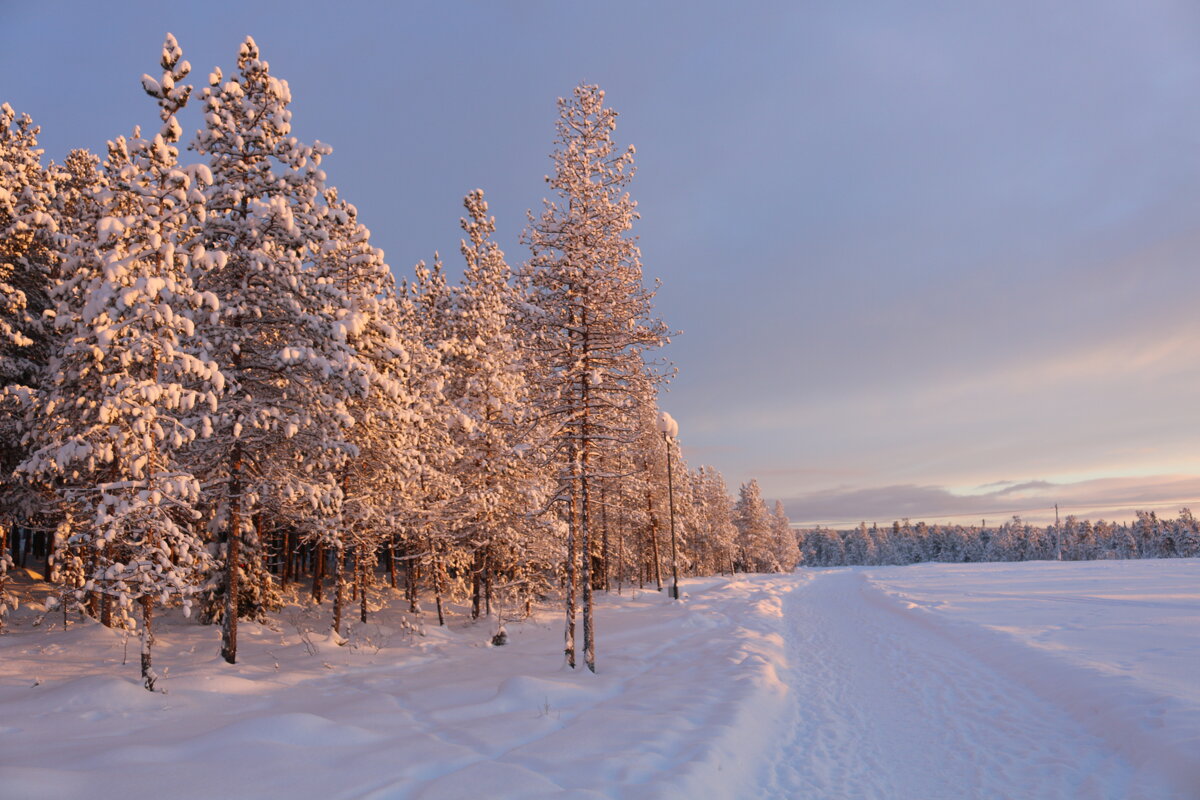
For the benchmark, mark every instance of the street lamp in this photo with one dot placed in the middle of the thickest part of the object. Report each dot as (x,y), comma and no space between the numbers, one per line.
(669,428)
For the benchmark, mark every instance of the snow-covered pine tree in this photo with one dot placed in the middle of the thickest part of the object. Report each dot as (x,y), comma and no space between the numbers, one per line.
(29,262)
(716,534)
(859,546)
(280,436)
(1122,542)
(1185,533)
(124,385)
(82,192)
(380,477)
(501,489)
(29,252)
(783,540)
(593,312)
(755,534)
(823,547)
(429,546)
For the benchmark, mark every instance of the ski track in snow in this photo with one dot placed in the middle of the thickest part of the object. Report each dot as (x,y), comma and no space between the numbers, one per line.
(886,707)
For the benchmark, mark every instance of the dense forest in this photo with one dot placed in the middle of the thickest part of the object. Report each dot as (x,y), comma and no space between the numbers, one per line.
(213,391)
(1071,540)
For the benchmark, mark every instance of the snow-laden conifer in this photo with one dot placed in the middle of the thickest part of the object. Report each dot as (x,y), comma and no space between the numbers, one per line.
(29,258)
(125,391)
(500,485)
(430,546)
(592,313)
(783,539)
(716,535)
(29,253)
(278,439)
(755,531)
(380,477)
(860,546)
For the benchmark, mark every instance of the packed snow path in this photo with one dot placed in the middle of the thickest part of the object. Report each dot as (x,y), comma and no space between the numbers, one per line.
(885,706)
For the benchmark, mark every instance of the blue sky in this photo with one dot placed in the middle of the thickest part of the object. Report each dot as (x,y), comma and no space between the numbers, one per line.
(933,260)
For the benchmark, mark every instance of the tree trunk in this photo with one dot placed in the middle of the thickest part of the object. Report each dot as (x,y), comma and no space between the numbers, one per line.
(148,676)
(92,603)
(620,557)
(439,574)
(487,585)
(232,553)
(3,565)
(264,547)
(476,582)
(362,586)
(390,549)
(301,557)
(569,648)
(339,587)
(605,553)
(413,577)
(642,567)
(655,566)
(585,579)
(51,548)
(318,581)
(285,572)
(585,543)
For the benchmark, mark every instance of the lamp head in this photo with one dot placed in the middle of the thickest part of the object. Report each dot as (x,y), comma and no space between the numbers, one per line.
(667,425)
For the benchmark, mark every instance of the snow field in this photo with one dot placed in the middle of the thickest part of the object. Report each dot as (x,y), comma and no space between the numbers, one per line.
(677,709)
(1114,644)
(902,688)
(1032,680)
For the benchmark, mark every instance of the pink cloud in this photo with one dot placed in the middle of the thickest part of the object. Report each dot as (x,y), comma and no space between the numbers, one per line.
(1114,498)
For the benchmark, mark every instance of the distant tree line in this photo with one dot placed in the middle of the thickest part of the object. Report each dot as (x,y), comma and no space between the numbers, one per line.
(213,389)
(1073,540)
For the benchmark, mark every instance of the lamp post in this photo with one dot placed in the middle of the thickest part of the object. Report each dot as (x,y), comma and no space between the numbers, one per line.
(669,429)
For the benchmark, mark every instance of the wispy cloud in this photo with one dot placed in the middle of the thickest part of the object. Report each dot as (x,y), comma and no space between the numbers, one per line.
(1109,498)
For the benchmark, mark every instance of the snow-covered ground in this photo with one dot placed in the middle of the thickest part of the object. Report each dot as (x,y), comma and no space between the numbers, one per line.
(1035,680)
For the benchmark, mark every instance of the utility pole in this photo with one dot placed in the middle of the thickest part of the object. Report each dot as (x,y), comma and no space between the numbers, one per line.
(1057,536)
(670,431)
(671,501)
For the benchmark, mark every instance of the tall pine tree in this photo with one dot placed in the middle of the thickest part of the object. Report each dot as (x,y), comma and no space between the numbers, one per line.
(125,385)
(279,439)
(593,319)
(500,487)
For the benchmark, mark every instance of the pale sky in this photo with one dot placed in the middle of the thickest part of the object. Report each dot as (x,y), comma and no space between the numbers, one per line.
(935,260)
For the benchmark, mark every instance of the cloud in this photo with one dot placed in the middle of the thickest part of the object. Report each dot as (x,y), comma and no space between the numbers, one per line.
(808,472)
(1114,498)
(1009,488)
